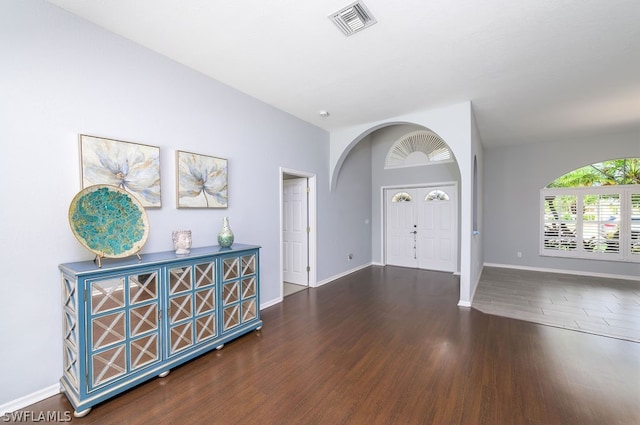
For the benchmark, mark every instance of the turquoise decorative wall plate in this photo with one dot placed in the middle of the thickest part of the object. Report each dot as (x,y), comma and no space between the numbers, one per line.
(108,221)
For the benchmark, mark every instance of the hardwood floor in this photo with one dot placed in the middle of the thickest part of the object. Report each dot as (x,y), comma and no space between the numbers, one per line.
(388,345)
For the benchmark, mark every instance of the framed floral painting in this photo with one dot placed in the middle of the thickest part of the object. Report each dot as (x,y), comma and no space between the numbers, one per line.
(130,166)
(201,181)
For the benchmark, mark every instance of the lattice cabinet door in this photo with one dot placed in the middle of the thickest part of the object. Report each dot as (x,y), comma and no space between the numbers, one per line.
(70,332)
(191,306)
(239,292)
(123,325)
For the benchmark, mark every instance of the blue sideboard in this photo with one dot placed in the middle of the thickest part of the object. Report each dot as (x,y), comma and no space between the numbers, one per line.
(132,320)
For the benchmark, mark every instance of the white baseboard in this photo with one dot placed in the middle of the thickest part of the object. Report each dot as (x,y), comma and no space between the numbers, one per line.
(270,303)
(561,271)
(29,399)
(338,276)
(464,303)
(278,300)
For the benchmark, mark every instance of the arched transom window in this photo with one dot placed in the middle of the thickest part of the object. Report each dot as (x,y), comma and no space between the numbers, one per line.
(436,195)
(401,197)
(417,148)
(593,212)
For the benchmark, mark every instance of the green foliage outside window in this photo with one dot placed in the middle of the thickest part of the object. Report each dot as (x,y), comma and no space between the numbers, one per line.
(586,214)
(606,173)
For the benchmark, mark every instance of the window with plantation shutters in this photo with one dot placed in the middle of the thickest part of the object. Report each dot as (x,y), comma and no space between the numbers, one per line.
(599,223)
(593,212)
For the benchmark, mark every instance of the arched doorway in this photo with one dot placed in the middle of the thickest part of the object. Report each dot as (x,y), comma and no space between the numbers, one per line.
(456,125)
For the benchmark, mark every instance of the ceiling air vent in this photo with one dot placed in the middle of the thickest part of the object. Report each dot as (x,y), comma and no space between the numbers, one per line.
(353,18)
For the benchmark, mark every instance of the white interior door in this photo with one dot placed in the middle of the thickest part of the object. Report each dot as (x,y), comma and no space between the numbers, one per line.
(294,231)
(401,222)
(421,227)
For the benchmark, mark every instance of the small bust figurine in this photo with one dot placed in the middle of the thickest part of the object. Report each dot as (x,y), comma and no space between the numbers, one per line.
(182,241)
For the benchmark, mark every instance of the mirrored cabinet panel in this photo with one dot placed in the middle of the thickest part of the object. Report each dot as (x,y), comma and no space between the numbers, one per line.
(192,305)
(239,291)
(123,325)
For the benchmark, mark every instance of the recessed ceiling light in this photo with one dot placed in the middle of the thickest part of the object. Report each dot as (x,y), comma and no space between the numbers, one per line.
(353,18)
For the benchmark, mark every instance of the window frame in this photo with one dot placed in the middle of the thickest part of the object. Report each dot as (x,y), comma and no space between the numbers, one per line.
(581,249)
(438,195)
(401,197)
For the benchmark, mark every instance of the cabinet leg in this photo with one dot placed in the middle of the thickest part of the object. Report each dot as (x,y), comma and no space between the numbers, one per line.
(259,328)
(82,413)
(165,373)
(219,347)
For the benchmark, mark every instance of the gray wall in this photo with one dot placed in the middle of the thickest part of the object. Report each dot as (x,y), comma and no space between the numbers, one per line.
(62,76)
(381,141)
(477,240)
(513,177)
(347,225)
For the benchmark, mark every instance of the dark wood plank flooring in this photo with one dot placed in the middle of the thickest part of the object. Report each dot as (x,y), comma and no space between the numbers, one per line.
(388,345)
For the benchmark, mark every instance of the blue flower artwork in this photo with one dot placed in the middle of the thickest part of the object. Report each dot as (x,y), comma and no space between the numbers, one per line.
(130,166)
(202,181)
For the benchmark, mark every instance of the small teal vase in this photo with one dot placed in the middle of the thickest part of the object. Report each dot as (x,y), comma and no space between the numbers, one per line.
(225,237)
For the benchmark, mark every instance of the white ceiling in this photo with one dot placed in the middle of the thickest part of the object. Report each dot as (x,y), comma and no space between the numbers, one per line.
(534,70)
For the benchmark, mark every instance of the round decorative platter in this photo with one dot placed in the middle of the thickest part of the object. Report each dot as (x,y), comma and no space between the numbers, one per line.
(108,221)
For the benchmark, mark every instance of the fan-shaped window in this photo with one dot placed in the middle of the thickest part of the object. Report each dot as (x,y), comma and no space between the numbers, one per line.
(436,195)
(401,197)
(606,173)
(421,147)
(593,212)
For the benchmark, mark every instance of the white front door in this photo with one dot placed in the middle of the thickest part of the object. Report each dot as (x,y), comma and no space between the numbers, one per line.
(421,227)
(402,215)
(437,229)
(294,231)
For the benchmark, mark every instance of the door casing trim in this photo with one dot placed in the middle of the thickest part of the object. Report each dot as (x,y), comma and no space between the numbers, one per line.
(312,223)
(383,214)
